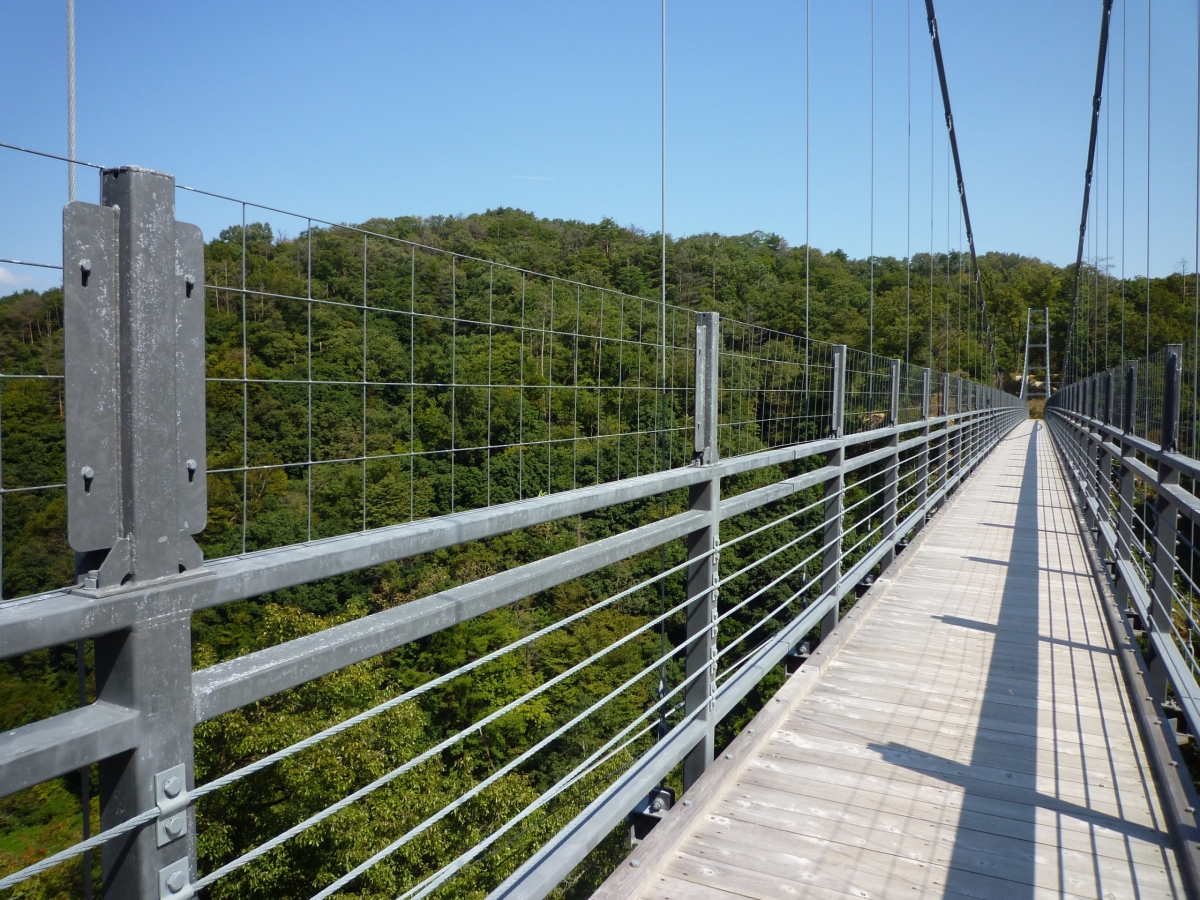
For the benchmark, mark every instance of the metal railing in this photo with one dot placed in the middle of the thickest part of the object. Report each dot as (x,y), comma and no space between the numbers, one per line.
(1121,434)
(775,474)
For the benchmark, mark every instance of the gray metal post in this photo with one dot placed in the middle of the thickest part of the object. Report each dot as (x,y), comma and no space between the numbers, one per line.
(923,455)
(1025,371)
(703,544)
(136,492)
(958,421)
(1046,340)
(1126,482)
(1166,521)
(973,427)
(1084,438)
(944,448)
(1099,454)
(834,487)
(1105,456)
(892,475)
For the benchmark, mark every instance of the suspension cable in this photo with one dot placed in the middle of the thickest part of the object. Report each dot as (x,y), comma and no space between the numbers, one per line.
(1097,96)
(962,191)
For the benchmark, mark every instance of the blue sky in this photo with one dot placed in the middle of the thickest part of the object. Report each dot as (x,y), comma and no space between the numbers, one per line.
(358,109)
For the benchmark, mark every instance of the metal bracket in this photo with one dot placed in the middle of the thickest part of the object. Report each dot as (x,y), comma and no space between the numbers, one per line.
(133,326)
(91,310)
(171,796)
(649,812)
(175,881)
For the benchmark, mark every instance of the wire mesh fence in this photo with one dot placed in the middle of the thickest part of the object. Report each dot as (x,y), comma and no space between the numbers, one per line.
(911,395)
(868,391)
(358,379)
(775,388)
(448,383)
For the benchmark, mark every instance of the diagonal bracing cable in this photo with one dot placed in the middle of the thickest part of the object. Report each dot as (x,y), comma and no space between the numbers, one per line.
(1097,96)
(962,191)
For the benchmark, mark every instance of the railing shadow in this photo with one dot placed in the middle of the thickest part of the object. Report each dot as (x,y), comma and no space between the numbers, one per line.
(1005,701)
(1016,604)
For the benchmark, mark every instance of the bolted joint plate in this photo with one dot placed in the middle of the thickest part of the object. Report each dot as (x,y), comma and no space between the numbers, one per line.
(134,379)
(190,448)
(175,881)
(92,371)
(171,797)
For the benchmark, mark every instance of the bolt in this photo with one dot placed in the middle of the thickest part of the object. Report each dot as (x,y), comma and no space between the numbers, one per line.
(1189,809)
(174,826)
(729,756)
(687,802)
(92,580)
(85,265)
(634,863)
(189,280)
(657,806)
(750,731)
(87,473)
(172,786)
(176,882)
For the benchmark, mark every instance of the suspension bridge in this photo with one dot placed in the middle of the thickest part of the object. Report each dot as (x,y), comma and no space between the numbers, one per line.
(789,618)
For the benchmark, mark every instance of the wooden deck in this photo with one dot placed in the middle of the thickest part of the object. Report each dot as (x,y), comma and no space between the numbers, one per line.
(971,737)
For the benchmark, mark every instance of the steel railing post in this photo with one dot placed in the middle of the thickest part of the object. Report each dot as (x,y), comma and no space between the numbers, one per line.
(967,433)
(136,493)
(944,447)
(703,546)
(1097,452)
(892,475)
(1166,521)
(1126,483)
(973,402)
(831,558)
(1104,454)
(1089,433)
(958,433)
(922,486)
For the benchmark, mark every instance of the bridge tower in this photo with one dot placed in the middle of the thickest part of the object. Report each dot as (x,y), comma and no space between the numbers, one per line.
(1032,325)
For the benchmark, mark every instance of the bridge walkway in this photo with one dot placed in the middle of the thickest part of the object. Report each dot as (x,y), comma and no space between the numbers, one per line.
(970,736)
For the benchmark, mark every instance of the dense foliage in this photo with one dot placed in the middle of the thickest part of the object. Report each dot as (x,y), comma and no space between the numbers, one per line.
(433,450)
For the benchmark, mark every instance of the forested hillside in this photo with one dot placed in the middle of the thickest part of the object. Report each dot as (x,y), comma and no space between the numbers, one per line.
(755,278)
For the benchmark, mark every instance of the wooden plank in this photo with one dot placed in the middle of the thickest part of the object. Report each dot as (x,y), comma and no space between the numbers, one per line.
(714,871)
(924,702)
(910,784)
(945,808)
(1048,752)
(983,765)
(1012,859)
(902,764)
(1011,689)
(886,874)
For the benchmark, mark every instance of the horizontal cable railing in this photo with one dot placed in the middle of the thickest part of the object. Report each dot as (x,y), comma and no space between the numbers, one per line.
(1128,437)
(690,497)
